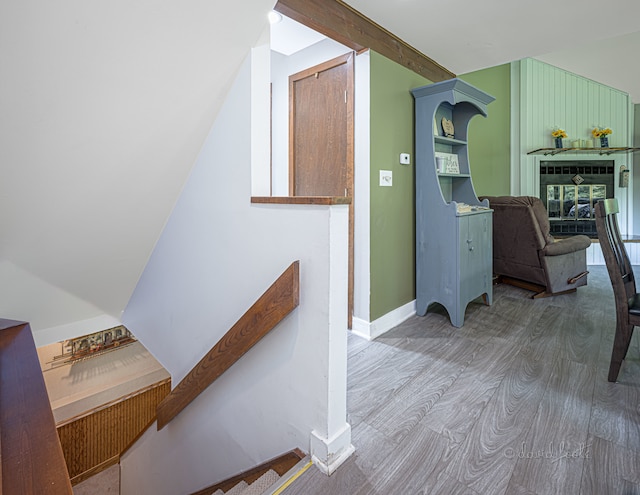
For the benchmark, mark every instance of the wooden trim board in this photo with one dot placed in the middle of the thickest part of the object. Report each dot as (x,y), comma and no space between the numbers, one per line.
(276,303)
(30,451)
(346,25)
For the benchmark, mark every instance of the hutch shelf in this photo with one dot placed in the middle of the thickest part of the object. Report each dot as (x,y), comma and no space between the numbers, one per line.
(453,227)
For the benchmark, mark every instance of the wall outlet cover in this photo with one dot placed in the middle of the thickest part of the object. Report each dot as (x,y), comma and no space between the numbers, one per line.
(405,159)
(386,178)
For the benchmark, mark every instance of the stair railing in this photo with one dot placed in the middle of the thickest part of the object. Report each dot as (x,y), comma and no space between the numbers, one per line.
(31,458)
(269,310)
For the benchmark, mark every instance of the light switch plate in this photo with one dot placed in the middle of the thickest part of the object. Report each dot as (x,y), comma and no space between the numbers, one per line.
(405,159)
(386,178)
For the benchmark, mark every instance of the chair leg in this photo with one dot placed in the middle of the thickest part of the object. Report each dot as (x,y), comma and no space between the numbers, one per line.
(624,332)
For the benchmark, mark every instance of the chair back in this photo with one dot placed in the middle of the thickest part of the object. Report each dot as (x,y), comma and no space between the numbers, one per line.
(614,252)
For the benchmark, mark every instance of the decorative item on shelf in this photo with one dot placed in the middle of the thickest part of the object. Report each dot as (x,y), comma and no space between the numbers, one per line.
(558,134)
(447,127)
(447,163)
(602,133)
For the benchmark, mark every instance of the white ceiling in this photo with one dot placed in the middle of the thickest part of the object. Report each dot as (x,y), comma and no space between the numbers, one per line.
(289,36)
(595,39)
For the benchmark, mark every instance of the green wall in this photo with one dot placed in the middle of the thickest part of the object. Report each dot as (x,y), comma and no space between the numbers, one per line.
(392,208)
(489,138)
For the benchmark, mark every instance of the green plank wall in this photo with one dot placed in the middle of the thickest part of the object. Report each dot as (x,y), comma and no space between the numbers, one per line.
(550,97)
(489,138)
(392,208)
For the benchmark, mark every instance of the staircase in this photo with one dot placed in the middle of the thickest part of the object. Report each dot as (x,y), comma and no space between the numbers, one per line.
(258,487)
(269,478)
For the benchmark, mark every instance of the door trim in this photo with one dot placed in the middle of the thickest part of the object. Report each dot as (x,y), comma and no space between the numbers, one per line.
(348,59)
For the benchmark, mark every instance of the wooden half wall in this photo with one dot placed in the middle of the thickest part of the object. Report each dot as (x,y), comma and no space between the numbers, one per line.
(95,440)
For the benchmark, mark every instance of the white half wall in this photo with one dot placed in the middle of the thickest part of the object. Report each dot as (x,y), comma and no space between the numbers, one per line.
(216,256)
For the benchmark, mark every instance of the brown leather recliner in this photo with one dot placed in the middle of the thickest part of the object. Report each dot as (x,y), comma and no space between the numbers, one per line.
(526,254)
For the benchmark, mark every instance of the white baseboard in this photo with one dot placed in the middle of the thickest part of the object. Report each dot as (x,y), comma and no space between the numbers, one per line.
(372,330)
(329,453)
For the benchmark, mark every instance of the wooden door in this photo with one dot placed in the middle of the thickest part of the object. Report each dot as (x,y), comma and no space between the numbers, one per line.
(321,137)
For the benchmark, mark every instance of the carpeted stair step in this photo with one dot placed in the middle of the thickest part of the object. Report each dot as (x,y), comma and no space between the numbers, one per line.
(259,486)
(238,489)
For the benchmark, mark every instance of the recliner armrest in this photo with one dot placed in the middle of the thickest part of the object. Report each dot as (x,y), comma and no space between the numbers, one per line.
(568,245)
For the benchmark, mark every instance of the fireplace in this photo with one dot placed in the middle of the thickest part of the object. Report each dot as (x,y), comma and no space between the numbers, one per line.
(570,191)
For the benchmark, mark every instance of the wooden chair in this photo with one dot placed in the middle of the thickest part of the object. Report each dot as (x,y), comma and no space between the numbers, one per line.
(622,279)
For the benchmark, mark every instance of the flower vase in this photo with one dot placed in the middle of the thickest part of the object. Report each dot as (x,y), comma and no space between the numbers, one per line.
(604,142)
(558,142)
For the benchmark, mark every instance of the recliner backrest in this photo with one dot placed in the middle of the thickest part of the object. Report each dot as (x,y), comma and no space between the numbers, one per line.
(520,226)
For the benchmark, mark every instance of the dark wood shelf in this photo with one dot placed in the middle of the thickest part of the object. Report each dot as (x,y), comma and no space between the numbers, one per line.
(302,200)
(582,151)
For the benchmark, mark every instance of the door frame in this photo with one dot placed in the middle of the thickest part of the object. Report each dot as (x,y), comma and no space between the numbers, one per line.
(348,59)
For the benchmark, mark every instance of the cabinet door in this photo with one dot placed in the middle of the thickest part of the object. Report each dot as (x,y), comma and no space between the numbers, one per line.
(475,256)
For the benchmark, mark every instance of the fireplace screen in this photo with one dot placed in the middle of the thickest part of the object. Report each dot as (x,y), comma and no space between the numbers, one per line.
(570,202)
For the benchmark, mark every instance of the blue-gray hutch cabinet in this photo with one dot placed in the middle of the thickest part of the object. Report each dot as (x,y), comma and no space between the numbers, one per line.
(453,227)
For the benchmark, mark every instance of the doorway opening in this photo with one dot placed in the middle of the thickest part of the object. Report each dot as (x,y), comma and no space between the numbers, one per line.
(312,120)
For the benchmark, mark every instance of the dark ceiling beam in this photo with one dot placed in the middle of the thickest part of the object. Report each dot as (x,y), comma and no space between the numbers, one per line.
(340,22)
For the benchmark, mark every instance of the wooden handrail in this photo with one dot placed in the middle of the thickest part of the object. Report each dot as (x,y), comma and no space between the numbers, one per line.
(276,303)
(30,452)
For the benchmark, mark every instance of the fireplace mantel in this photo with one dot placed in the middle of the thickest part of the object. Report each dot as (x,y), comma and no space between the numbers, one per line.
(582,151)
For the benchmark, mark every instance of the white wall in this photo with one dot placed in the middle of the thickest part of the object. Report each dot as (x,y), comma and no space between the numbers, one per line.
(281,68)
(635,169)
(551,97)
(216,256)
(362,194)
(105,106)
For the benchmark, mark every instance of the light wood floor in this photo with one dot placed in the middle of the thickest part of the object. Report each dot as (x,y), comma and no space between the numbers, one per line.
(515,402)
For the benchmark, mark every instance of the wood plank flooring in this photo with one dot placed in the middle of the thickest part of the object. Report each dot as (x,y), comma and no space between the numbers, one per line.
(515,402)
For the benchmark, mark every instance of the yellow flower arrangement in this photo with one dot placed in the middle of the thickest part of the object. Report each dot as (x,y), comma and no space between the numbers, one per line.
(559,133)
(599,132)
